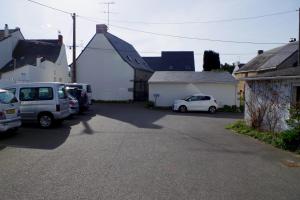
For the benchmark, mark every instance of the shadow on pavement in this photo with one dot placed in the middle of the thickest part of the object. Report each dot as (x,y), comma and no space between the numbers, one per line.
(139,116)
(31,136)
(134,114)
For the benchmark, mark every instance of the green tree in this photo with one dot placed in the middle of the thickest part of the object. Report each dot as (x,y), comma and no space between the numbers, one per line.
(227,67)
(211,61)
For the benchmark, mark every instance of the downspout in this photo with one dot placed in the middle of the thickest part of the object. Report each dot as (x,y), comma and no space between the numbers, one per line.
(134,78)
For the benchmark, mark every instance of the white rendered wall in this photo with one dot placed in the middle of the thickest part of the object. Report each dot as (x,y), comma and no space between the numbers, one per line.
(225,94)
(102,67)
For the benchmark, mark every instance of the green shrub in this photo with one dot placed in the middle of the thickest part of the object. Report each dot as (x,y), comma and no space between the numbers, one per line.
(227,108)
(242,108)
(288,140)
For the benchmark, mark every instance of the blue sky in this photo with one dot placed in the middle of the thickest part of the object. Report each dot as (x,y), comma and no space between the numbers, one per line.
(37,22)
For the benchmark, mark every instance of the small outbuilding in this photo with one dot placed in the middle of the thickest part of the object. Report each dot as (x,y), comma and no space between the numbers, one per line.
(167,86)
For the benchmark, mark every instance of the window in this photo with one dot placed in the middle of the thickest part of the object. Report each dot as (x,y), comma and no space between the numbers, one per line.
(89,89)
(34,94)
(45,93)
(12,90)
(28,94)
(206,98)
(296,95)
(7,97)
(137,61)
(194,98)
(62,92)
(129,58)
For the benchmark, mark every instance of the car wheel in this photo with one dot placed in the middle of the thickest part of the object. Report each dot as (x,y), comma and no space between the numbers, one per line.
(45,120)
(212,109)
(182,109)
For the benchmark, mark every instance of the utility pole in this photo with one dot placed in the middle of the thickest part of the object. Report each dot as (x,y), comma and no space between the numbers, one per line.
(108,10)
(73,69)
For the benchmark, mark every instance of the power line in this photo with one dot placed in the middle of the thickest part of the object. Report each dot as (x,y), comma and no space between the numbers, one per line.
(44,5)
(171,35)
(209,21)
(196,38)
(111,50)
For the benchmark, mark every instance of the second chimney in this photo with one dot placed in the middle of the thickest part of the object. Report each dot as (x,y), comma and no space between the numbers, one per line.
(260,52)
(6,31)
(101,28)
(60,39)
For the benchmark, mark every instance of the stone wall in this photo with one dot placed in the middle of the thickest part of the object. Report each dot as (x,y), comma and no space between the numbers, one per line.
(273,96)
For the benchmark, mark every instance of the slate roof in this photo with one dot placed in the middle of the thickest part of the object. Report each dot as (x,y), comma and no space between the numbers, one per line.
(27,51)
(10,31)
(172,61)
(191,77)
(127,52)
(285,73)
(271,58)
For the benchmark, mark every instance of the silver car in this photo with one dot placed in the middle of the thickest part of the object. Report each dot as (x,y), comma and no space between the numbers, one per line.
(73,105)
(9,112)
(44,102)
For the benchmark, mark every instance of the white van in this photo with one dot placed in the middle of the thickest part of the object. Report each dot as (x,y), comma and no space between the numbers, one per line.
(84,86)
(44,102)
(9,111)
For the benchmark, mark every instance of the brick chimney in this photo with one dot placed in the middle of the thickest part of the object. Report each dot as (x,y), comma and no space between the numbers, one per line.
(60,39)
(101,28)
(6,31)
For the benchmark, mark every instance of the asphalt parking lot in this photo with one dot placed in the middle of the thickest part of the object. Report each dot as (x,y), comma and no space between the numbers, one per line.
(125,151)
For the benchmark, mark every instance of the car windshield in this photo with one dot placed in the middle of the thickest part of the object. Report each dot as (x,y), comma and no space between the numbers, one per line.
(186,98)
(7,97)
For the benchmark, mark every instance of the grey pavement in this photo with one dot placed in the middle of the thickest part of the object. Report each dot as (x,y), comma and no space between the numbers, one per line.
(125,151)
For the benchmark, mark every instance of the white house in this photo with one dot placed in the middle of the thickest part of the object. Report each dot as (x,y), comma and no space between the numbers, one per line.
(113,68)
(167,86)
(33,60)
(273,87)
(8,41)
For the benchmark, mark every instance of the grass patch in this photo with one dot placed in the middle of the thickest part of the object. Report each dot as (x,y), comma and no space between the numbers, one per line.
(287,140)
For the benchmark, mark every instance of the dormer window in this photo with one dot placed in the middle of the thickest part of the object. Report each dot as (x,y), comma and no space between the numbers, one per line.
(129,58)
(137,61)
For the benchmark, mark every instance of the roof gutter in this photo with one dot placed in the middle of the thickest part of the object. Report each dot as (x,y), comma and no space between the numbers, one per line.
(207,82)
(269,78)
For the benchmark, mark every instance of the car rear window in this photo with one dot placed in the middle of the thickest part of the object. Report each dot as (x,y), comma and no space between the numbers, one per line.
(36,94)
(206,98)
(6,97)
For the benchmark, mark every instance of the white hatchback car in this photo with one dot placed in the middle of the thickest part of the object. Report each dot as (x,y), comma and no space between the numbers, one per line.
(9,111)
(196,102)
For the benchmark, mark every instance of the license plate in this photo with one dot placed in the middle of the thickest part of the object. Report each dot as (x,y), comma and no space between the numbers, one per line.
(11,111)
